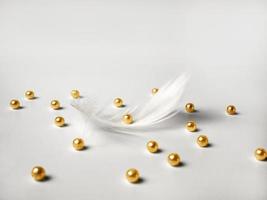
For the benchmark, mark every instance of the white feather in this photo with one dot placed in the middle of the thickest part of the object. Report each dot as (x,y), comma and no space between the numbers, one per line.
(159,107)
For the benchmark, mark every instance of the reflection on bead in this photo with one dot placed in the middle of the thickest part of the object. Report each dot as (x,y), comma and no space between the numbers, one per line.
(127,119)
(29,94)
(231,110)
(132,175)
(38,173)
(55,104)
(202,141)
(59,121)
(191,126)
(152,146)
(260,154)
(174,159)
(75,94)
(118,102)
(15,104)
(154,90)
(78,144)
(189,107)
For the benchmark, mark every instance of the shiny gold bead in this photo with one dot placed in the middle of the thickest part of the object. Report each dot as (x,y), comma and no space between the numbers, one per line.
(202,141)
(191,126)
(15,104)
(29,94)
(78,144)
(154,90)
(260,154)
(152,146)
(75,94)
(231,110)
(132,175)
(174,159)
(118,102)
(59,121)
(38,173)
(127,119)
(189,107)
(55,104)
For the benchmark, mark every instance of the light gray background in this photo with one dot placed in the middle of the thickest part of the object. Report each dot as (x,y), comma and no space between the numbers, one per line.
(124,48)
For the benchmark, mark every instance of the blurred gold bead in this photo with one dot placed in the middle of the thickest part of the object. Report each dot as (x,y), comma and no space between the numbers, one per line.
(152,146)
(78,144)
(59,121)
(231,110)
(75,94)
(260,154)
(189,107)
(29,94)
(127,119)
(118,102)
(191,126)
(15,104)
(154,90)
(55,104)
(38,173)
(174,159)
(202,141)
(132,175)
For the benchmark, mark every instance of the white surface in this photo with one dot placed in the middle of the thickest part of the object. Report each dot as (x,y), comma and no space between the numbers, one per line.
(108,49)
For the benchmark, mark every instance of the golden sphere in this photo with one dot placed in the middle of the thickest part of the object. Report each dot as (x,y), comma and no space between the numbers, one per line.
(55,104)
(29,94)
(59,121)
(191,126)
(174,159)
(202,141)
(231,110)
(127,119)
(189,107)
(260,154)
(75,94)
(154,90)
(118,102)
(132,175)
(15,104)
(78,144)
(152,146)
(38,173)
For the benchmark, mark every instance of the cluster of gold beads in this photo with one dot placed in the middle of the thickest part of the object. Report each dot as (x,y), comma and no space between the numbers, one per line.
(118,102)
(260,154)
(132,175)
(29,94)
(38,173)
(59,121)
(78,144)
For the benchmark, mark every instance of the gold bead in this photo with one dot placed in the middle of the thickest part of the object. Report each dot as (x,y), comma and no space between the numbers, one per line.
(118,102)
(152,146)
(231,110)
(15,104)
(55,104)
(78,144)
(75,94)
(29,94)
(189,107)
(59,121)
(202,141)
(154,90)
(127,119)
(174,159)
(260,154)
(191,126)
(38,173)
(132,175)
